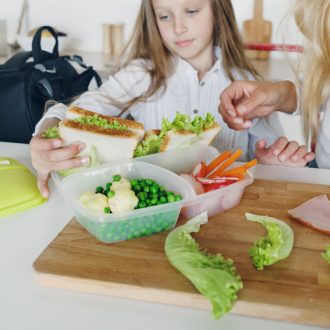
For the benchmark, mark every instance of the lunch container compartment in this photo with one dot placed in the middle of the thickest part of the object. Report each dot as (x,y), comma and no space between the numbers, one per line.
(183,160)
(127,225)
(217,201)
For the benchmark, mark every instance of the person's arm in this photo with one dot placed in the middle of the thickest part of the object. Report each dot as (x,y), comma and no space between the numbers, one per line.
(246,100)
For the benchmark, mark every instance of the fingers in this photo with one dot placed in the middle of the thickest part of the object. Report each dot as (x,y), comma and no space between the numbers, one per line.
(39,144)
(42,182)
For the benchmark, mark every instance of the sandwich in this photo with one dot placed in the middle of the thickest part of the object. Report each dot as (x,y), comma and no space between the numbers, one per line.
(107,138)
(181,132)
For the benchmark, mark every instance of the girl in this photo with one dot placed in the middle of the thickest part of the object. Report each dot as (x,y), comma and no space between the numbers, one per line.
(260,99)
(181,55)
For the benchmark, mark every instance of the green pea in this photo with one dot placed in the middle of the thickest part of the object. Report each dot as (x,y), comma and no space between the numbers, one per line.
(178,197)
(170,193)
(116,178)
(146,189)
(99,190)
(107,210)
(171,198)
(142,204)
(154,189)
(137,187)
(141,196)
(163,199)
(105,192)
(134,182)
(108,186)
(154,201)
(162,189)
(111,193)
(149,182)
(148,201)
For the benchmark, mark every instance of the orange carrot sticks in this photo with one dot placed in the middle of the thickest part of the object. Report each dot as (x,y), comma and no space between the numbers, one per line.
(217,161)
(226,163)
(239,170)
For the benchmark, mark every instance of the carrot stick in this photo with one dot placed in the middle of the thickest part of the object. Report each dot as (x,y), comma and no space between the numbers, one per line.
(240,169)
(226,163)
(216,162)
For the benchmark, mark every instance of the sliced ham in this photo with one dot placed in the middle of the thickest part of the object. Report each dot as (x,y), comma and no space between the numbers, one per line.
(314,213)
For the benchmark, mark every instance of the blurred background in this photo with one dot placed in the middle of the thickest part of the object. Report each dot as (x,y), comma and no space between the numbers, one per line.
(83,20)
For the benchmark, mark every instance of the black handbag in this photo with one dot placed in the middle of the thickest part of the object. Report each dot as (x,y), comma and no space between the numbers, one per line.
(29,79)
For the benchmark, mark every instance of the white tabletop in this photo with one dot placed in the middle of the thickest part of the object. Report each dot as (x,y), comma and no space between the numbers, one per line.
(26,305)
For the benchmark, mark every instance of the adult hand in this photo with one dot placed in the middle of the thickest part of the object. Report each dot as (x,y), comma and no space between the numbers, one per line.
(246,100)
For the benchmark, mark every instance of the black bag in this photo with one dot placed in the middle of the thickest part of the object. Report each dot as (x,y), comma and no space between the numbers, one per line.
(29,79)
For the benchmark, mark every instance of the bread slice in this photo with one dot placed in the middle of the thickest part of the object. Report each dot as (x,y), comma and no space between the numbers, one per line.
(110,144)
(134,126)
(177,139)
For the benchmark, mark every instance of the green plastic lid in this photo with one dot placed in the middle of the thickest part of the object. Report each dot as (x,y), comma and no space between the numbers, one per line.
(18,188)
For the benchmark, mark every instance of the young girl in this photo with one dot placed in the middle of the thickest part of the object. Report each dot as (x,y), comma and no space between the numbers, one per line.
(182,54)
(259,99)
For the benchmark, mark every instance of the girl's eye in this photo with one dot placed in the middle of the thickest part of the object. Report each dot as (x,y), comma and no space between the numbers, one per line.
(192,12)
(164,18)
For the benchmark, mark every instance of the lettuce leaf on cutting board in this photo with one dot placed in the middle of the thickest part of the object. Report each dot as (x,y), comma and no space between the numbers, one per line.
(213,276)
(275,246)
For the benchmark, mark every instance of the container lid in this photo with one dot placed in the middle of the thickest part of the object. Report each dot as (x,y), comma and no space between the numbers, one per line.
(18,187)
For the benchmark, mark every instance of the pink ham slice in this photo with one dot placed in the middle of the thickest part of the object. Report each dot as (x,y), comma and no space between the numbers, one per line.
(314,213)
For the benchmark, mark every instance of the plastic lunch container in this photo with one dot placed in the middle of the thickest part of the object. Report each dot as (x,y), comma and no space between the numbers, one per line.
(183,161)
(122,226)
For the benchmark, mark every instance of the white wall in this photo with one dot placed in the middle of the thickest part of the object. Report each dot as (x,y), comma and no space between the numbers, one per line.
(82,19)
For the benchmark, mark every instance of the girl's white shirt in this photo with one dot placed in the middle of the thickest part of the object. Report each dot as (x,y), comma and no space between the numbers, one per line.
(322,151)
(184,93)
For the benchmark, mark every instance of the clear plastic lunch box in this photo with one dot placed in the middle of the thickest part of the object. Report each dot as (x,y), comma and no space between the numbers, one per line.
(127,225)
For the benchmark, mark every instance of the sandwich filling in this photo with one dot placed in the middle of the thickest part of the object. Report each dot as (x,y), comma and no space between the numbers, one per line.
(152,142)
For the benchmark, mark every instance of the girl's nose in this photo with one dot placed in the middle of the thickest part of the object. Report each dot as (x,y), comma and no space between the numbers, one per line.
(179,26)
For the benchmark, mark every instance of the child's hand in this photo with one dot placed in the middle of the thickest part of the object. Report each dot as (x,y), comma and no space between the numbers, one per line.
(49,155)
(246,100)
(282,152)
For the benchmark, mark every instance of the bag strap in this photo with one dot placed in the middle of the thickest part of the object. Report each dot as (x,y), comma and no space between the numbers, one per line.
(17,61)
(38,54)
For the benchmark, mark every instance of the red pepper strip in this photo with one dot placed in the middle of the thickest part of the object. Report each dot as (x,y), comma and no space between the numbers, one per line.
(207,181)
(215,186)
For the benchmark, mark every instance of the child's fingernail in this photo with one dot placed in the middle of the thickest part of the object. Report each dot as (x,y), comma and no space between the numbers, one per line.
(241,109)
(238,121)
(57,143)
(232,113)
(282,158)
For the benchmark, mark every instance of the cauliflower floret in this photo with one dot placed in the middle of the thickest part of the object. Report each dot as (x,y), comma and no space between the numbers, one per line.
(96,202)
(123,201)
(122,184)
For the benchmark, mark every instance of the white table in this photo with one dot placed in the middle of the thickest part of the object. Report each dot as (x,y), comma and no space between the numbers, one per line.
(26,305)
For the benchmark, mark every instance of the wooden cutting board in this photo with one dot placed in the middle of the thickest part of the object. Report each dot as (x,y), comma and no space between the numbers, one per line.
(257,30)
(296,289)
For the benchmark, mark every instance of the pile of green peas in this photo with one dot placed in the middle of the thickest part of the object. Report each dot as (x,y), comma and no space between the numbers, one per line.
(148,191)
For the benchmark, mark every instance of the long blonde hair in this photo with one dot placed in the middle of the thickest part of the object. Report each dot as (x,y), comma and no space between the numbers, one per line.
(313,20)
(146,43)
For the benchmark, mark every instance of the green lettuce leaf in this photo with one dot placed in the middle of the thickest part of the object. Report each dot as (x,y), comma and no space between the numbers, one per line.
(101,122)
(148,146)
(326,254)
(213,276)
(51,132)
(277,245)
